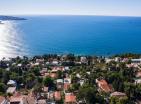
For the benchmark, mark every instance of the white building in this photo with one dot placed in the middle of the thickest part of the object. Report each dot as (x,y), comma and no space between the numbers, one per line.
(136,60)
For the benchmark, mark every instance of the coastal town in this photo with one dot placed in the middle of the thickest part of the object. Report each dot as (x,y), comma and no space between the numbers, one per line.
(71,79)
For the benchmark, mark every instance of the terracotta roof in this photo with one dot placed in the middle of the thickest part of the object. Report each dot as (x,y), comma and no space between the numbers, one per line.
(57,95)
(104,85)
(70,98)
(30,100)
(2,99)
(16,94)
(16,98)
(138,74)
(53,75)
(66,86)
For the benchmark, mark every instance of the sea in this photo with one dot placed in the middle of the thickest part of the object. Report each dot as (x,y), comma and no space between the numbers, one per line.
(60,34)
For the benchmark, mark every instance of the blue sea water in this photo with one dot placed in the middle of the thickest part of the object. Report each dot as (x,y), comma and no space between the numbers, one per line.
(87,35)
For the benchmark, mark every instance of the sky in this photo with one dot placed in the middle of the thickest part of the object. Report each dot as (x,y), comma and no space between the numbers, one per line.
(71,7)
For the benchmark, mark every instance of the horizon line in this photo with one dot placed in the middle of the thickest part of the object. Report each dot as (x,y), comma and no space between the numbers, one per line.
(67,15)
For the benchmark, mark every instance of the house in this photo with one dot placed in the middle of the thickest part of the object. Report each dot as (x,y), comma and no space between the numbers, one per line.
(103,85)
(11,90)
(88,73)
(3,100)
(70,98)
(51,102)
(39,60)
(47,63)
(59,84)
(53,75)
(138,81)
(136,61)
(108,60)
(12,83)
(12,86)
(82,102)
(66,68)
(36,64)
(67,83)
(63,57)
(17,100)
(57,95)
(83,60)
(57,68)
(42,101)
(117,59)
(19,65)
(67,80)
(138,74)
(125,60)
(81,82)
(55,62)
(46,74)
(43,71)
(51,95)
(118,94)
(30,100)
(41,98)
(45,89)
(67,86)
(78,75)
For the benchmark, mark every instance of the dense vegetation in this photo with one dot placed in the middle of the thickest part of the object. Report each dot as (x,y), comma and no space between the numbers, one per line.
(117,74)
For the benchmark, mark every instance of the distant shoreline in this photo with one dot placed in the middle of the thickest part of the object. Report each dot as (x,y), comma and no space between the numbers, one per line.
(3,18)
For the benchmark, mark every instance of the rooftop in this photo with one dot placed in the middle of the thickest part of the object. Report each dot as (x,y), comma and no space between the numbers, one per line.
(104,85)
(70,98)
(2,99)
(118,94)
(57,95)
(11,90)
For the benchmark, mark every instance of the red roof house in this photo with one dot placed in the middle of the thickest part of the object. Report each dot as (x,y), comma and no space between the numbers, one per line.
(70,98)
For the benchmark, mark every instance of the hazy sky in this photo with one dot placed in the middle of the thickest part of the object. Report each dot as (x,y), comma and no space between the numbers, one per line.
(74,7)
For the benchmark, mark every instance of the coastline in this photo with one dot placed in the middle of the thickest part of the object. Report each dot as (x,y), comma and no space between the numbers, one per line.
(75,55)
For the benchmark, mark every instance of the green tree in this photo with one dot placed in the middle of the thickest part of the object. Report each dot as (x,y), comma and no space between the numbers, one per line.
(117,100)
(60,74)
(48,82)
(36,71)
(2,88)
(88,93)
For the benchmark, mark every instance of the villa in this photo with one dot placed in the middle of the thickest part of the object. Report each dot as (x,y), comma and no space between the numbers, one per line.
(118,94)
(70,98)
(103,85)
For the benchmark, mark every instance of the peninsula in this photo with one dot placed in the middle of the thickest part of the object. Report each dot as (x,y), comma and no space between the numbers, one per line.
(10,18)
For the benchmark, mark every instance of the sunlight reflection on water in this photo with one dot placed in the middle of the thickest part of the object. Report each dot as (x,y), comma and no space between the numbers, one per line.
(11,41)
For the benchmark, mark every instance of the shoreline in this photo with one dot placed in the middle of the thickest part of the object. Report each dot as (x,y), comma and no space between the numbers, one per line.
(75,55)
